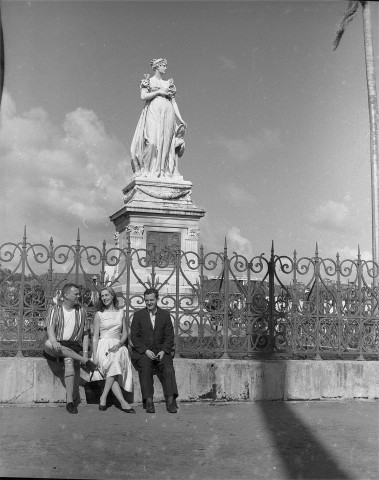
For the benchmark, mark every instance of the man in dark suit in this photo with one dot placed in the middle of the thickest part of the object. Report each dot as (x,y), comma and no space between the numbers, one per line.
(152,336)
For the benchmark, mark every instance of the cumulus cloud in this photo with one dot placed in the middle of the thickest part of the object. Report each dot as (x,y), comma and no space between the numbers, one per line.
(238,243)
(250,148)
(330,215)
(346,252)
(57,178)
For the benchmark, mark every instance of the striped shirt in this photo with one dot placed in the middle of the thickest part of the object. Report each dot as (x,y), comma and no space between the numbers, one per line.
(55,318)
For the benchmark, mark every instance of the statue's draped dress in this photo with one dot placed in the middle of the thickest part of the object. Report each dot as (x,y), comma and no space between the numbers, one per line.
(153,144)
(117,363)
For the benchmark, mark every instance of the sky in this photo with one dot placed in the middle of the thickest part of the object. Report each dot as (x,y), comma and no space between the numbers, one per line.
(277,145)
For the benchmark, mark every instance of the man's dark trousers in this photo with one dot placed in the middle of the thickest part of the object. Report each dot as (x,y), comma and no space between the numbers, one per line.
(145,367)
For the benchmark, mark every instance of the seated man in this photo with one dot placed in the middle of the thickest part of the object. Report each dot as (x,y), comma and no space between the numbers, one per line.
(152,336)
(67,326)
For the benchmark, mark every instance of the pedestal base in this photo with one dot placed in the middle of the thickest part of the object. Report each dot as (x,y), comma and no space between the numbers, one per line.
(161,213)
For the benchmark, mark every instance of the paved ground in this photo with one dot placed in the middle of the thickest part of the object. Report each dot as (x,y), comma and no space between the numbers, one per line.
(262,440)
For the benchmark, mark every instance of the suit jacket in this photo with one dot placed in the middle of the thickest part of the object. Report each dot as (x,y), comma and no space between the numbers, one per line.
(144,337)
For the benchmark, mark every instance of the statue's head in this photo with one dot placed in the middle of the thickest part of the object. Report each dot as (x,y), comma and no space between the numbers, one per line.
(156,62)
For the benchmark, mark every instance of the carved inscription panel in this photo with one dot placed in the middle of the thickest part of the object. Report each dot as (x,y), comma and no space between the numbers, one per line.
(166,244)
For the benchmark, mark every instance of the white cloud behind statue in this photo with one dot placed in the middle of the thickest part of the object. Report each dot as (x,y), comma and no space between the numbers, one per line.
(64,173)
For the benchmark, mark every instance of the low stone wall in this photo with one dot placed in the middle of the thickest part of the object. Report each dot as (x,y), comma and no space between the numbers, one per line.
(34,380)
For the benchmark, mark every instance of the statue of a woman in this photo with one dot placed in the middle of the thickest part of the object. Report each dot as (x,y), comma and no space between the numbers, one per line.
(158,139)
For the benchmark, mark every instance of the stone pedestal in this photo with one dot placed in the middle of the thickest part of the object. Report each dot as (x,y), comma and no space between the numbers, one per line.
(158,211)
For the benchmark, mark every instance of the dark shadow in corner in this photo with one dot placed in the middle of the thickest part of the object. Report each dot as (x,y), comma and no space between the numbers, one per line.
(302,454)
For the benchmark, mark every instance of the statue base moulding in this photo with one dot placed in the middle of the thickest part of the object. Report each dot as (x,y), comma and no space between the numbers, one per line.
(158,212)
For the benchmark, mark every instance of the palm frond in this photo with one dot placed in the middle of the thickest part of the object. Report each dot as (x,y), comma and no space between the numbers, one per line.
(350,13)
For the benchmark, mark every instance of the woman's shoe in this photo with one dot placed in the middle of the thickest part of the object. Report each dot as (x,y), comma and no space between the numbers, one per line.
(102,408)
(128,410)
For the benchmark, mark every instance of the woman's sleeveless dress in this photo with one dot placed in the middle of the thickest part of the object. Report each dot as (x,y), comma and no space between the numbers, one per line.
(117,363)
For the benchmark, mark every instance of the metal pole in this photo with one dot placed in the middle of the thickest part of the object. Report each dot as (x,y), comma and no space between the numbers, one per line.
(77,258)
(226,302)
(295,305)
(249,316)
(317,303)
(360,307)
(103,264)
(201,300)
(373,115)
(177,300)
(127,293)
(21,298)
(271,306)
(339,309)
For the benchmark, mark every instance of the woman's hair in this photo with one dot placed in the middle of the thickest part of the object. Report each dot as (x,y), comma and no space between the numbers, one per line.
(157,61)
(101,306)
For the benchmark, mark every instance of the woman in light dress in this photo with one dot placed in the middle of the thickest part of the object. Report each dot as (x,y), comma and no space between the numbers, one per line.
(158,142)
(110,354)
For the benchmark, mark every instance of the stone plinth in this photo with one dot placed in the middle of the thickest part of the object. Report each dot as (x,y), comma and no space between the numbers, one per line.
(158,210)
(31,380)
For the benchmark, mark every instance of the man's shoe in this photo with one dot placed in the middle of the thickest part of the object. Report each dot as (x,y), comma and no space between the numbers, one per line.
(71,408)
(144,404)
(171,404)
(150,406)
(171,408)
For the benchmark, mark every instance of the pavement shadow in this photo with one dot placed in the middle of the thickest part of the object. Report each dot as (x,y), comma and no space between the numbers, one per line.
(301,452)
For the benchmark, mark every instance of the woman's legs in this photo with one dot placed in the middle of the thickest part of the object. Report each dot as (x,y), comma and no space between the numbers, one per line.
(118,394)
(111,384)
(108,385)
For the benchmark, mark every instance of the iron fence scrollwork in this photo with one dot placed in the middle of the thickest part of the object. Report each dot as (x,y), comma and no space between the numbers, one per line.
(222,305)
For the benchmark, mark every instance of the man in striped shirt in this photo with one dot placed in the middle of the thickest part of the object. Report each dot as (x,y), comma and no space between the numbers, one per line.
(67,327)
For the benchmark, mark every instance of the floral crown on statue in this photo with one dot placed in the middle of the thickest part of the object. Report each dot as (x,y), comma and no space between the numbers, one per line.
(157,61)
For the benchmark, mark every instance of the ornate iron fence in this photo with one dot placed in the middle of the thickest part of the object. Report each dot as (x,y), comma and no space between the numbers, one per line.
(221,305)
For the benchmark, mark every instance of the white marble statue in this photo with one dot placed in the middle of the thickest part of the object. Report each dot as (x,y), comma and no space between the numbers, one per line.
(158,140)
